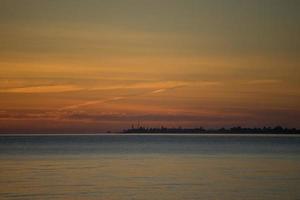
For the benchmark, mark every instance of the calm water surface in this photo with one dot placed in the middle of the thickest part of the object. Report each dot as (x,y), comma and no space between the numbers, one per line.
(117,167)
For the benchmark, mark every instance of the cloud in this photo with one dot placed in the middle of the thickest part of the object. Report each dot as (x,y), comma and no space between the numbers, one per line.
(144,117)
(87,103)
(208,83)
(158,91)
(157,87)
(27,114)
(144,85)
(43,89)
(264,81)
(71,88)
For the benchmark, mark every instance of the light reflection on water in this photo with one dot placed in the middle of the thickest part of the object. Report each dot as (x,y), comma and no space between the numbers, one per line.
(240,168)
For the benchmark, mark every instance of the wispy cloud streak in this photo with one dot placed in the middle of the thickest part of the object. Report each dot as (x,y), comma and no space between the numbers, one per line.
(43,89)
(166,86)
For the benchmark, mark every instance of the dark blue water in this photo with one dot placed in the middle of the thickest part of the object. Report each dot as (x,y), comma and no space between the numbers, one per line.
(160,144)
(147,167)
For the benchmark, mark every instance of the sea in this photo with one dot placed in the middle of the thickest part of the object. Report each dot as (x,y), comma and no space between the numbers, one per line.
(150,167)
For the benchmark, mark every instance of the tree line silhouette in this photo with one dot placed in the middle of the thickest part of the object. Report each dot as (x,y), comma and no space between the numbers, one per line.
(233,130)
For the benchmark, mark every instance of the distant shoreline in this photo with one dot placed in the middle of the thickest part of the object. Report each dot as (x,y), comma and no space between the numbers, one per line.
(278,130)
(233,130)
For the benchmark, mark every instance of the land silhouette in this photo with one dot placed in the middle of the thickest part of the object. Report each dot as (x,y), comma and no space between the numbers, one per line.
(201,130)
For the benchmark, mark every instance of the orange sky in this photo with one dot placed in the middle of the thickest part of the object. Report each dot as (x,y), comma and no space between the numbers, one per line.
(92,66)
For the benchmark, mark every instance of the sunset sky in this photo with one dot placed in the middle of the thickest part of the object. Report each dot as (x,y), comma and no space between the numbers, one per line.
(91,66)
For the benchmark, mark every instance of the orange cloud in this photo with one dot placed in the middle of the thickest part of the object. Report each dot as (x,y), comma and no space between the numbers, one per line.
(144,85)
(264,81)
(43,89)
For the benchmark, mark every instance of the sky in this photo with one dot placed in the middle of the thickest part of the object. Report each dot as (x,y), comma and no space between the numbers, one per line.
(90,66)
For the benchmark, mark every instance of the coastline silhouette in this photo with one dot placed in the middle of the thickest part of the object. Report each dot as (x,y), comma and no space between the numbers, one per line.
(201,130)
